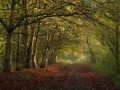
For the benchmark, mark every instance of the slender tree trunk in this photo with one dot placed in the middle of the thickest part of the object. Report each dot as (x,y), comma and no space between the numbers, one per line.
(117,39)
(45,52)
(17,54)
(91,52)
(44,61)
(6,62)
(29,49)
(34,51)
(23,46)
(24,36)
(117,48)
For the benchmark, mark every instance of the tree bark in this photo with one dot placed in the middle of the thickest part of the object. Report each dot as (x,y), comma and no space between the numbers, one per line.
(117,48)
(29,49)
(44,61)
(34,50)
(24,36)
(117,39)
(91,52)
(52,56)
(6,62)
(17,54)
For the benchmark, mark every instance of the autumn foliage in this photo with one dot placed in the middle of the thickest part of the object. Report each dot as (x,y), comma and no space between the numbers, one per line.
(56,77)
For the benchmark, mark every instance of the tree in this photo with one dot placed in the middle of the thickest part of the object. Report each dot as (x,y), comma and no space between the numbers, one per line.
(10,19)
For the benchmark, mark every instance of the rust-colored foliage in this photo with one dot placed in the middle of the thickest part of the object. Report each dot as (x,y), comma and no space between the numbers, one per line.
(56,77)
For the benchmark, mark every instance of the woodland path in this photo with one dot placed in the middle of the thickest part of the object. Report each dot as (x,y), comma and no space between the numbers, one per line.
(56,77)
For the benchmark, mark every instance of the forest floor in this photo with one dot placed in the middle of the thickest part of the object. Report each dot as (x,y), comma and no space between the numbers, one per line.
(56,77)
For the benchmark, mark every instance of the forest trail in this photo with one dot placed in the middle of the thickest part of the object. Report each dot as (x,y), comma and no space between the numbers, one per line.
(56,77)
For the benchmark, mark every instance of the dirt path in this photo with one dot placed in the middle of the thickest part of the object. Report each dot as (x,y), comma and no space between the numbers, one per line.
(56,77)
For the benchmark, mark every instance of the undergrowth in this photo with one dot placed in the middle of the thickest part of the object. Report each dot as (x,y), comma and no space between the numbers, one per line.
(108,68)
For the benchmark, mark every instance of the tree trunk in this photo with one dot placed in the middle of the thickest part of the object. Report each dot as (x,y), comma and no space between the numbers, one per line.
(24,36)
(29,50)
(44,62)
(45,52)
(27,62)
(52,56)
(6,62)
(117,48)
(117,39)
(91,52)
(23,46)
(34,51)
(17,54)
